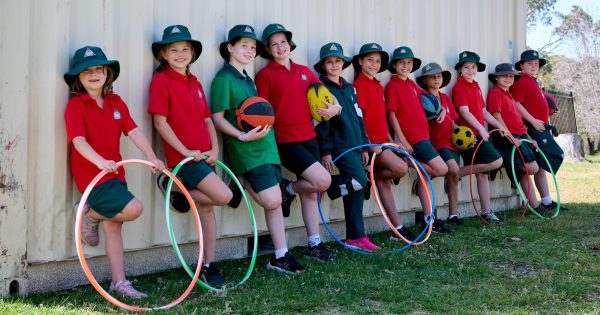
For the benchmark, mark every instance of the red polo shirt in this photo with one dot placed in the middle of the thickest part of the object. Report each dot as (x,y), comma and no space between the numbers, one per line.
(286,91)
(402,97)
(371,100)
(182,100)
(465,93)
(102,129)
(441,134)
(500,101)
(527,92)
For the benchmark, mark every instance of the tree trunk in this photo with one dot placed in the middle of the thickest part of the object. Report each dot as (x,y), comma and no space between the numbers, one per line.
(572,145)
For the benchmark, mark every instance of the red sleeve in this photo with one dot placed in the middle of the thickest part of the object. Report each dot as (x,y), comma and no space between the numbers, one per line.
(262,85)
(359,95)
(313,78)
(159,97)
(74,119)
(518,91)
(447,103)
(494,102)
(459,97)
(392,100)
(128,122)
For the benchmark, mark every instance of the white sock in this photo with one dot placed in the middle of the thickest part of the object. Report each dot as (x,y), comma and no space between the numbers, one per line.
(206,264)
(290,189)
(452,216)
(546,200)
(280,252)
(426,218)
(314,240)
(399,227)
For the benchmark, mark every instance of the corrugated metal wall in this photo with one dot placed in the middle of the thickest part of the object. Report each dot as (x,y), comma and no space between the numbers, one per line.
(37,39)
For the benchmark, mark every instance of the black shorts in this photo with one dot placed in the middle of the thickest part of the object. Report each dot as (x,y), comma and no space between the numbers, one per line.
(298,156)
(485,155)
(263,176)
(505,147)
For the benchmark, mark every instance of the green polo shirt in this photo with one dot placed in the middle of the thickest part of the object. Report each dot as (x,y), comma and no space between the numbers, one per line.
(228,89)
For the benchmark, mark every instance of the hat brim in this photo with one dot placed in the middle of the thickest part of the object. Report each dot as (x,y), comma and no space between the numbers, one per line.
(492,76)
(480,65)
(321,70)
(518,64)
(224,52)
(416,64)
(446,77)
(265,54)
(385,60)
(157,46)
(72,74)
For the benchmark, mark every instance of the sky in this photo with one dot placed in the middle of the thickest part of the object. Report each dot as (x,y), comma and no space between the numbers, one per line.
(538,37)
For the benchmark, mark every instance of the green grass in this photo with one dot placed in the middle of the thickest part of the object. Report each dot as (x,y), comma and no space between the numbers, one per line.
(536,267)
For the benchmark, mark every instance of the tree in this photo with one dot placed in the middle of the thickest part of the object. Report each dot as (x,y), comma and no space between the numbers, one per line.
(539,10)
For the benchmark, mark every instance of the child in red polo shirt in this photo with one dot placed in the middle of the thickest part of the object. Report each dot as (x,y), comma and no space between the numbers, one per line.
(372,59)
(408,123)
(533,106)
(182,118)
(95,118)
(432,79)
(503,107)
(284,84)
(470,106)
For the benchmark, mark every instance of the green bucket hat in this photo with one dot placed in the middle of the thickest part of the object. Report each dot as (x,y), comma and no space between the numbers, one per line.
(236,32)
(469,56)
(331,50)
(173,34)
(431,69)
(272,29)
(530,55)
(86,57)
(401,53)
(371,48)
(503,69)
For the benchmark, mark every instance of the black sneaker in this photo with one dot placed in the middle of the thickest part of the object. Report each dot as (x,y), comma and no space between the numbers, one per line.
(177,200)
(210,275)
(367,189)
(406,233)
(286,197)
(454,220)
(319,252)
(553,205)
(286,264)
(438,227)
(237,195)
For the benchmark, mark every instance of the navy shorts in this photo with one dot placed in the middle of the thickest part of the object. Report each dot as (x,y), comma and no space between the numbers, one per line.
(263,176)
(448,155)
(192,173)
(423,151)
(110,197)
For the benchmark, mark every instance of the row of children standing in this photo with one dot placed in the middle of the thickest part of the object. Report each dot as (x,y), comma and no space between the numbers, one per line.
(188,127)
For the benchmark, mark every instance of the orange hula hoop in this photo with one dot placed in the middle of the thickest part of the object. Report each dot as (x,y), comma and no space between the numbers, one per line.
(83,261)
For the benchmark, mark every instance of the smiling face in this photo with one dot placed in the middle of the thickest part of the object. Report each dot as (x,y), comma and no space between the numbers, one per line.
(178,55)
(333,66)
(505,81)
(279,47)
(403,67)
(468,71)
(530,67)
(242,52)
(93,79)
(370,64)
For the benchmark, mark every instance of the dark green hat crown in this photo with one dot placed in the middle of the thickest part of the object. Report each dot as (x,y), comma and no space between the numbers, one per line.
(86,57)
(174,34)
(272,29)
(238,31)
(503,69)
(431,69)
(332,49)
(529,55)
(469,56)
(371,48)
(403,52)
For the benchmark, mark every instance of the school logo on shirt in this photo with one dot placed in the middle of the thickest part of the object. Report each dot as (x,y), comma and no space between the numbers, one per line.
(175,30)
(303,77)
(199,93)
(88,53)
(116,114)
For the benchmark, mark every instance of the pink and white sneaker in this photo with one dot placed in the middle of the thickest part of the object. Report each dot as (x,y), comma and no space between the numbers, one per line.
(362,243)
(125,288)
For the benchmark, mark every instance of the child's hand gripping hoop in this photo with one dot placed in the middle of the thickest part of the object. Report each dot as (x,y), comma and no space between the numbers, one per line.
(429,190)
(83,261)
(172,235)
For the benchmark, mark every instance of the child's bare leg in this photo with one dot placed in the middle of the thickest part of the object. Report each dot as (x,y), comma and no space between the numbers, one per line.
(113,244)
(314,179)
(209,231)
(270,200)
(452,183)
(483,188)
(212,191)
(310,212)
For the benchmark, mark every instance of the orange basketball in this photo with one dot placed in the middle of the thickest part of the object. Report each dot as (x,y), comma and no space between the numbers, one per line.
(254,111)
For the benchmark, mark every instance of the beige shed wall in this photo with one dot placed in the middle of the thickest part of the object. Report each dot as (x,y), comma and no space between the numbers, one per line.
(38,38)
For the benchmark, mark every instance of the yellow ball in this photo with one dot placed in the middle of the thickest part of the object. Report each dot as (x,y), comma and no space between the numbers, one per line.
(317,93)
(463,137)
